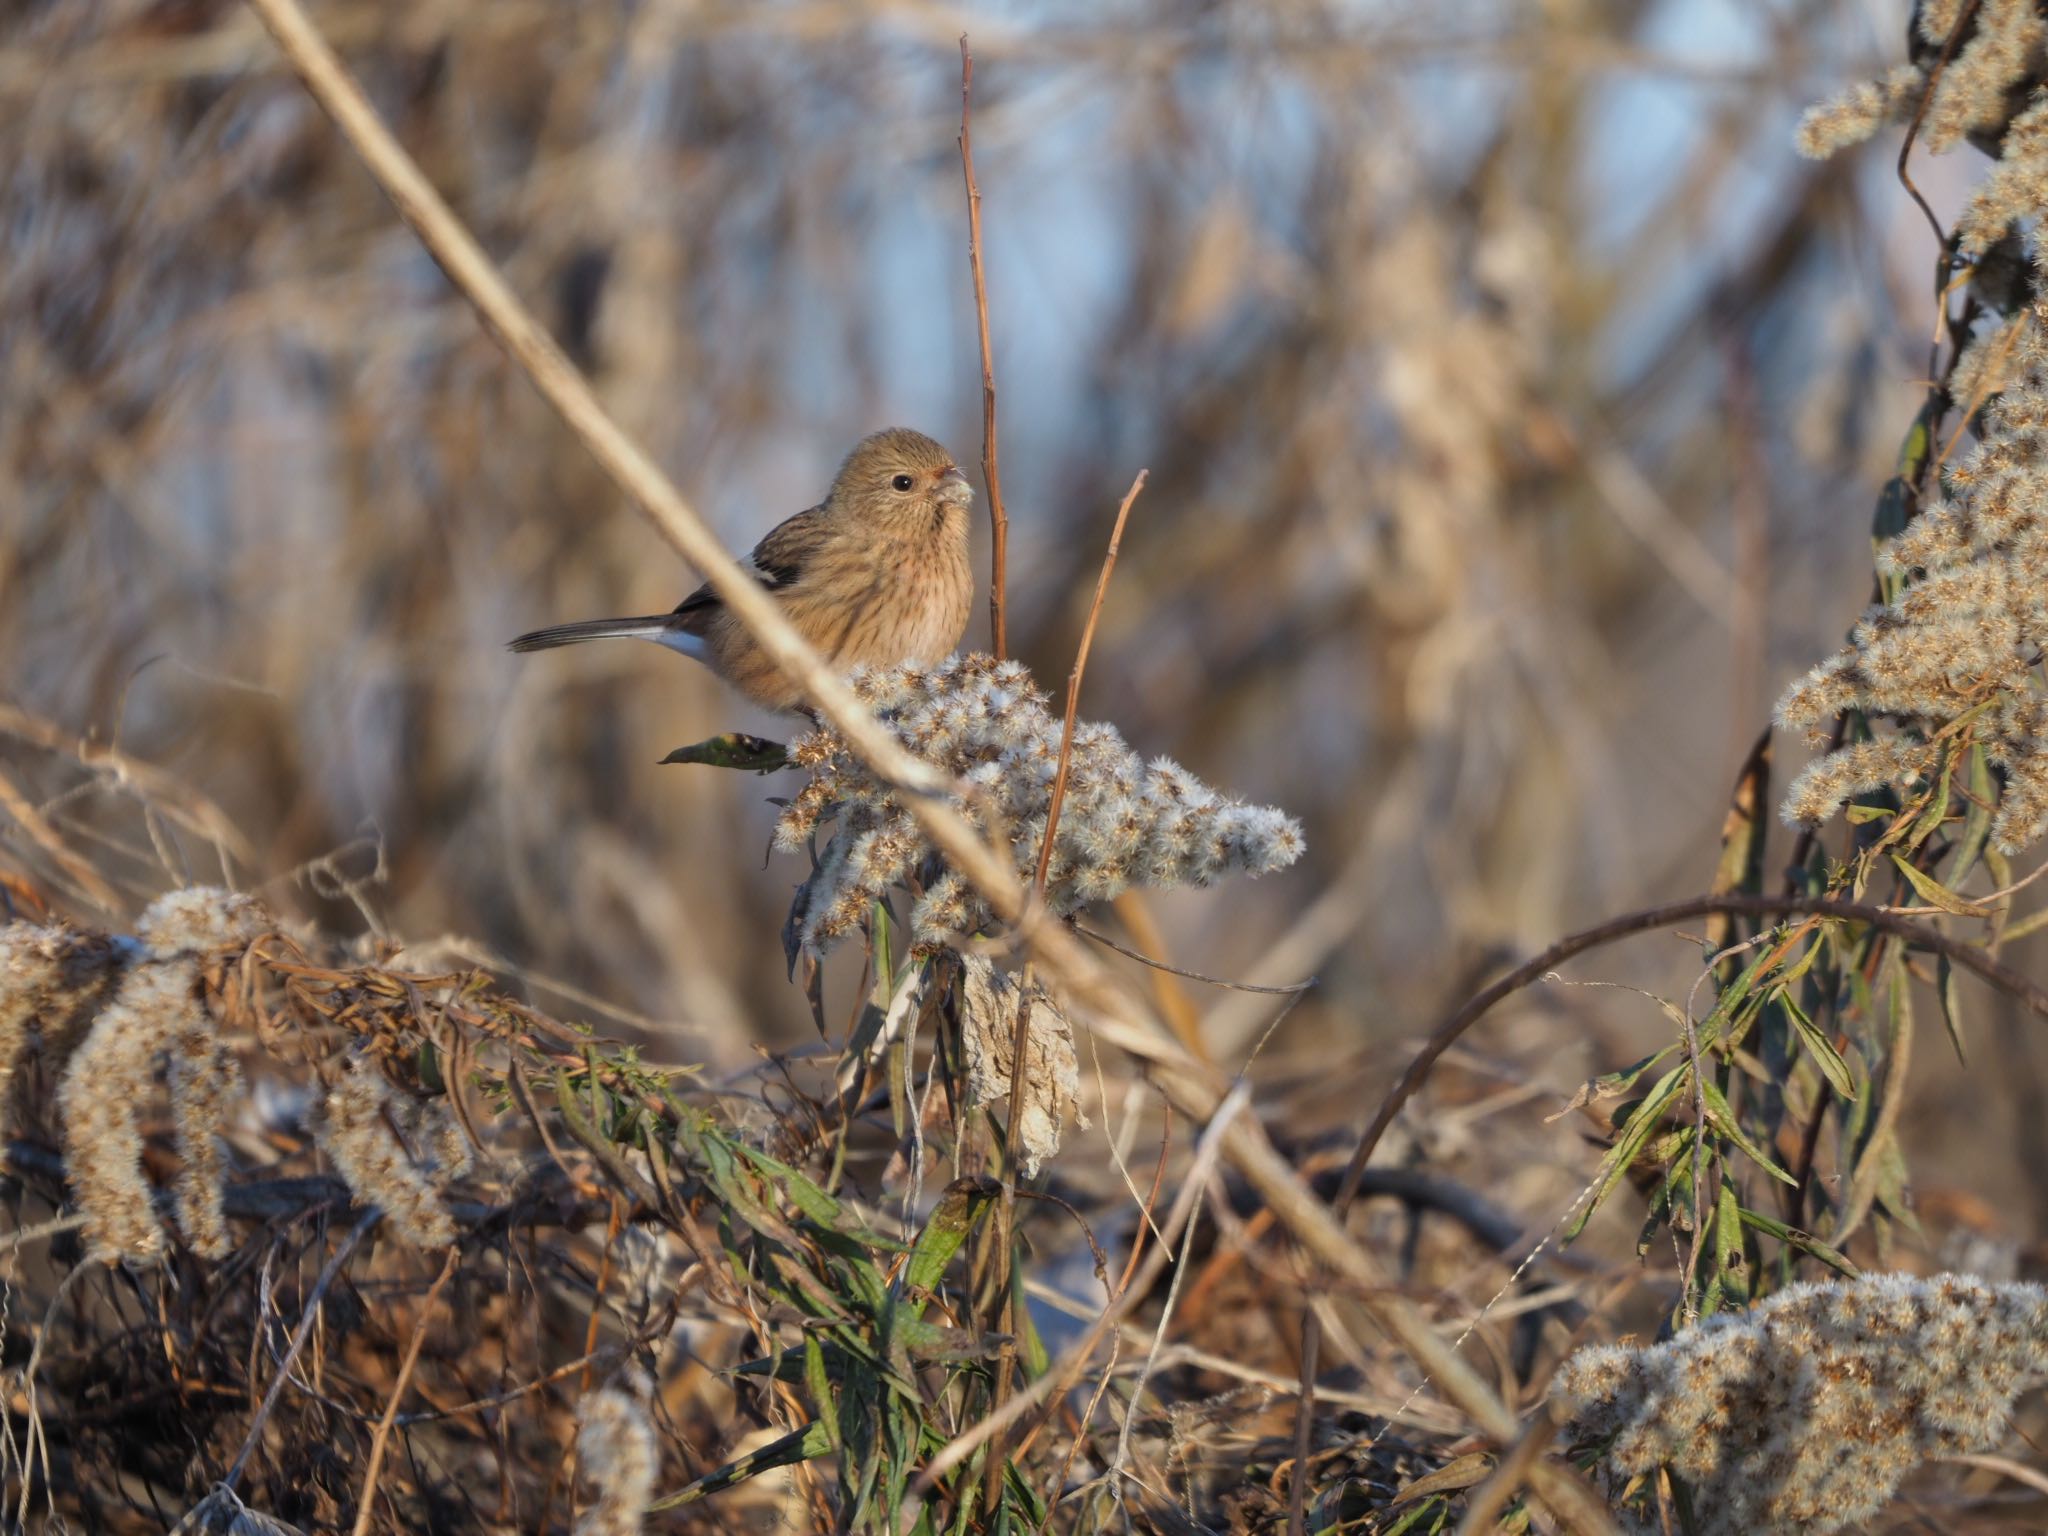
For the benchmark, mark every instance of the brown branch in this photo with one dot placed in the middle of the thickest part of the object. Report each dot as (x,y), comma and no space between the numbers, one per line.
(1059,782)
(998,520)
(1446,1033)
(412,1355)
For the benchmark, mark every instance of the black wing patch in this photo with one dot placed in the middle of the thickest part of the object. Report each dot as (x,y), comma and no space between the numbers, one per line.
(778,560)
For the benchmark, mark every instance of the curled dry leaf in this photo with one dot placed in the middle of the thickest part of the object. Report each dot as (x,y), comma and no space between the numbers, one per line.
(989,1001)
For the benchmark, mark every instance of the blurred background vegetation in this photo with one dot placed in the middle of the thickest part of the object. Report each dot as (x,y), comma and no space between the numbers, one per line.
(1515,403)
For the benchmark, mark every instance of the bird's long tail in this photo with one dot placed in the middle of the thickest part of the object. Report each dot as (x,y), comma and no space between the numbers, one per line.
(654,627)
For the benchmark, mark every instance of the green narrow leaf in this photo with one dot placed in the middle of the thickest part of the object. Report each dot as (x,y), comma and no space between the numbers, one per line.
(754,754)
(1999,865)
(1977,820)
(1743,830)
(819,1385)
(1610,1085)
(1935,894)
(1731,1262)
(943,1236)
(1793,1237)
(1675,1154)
(1937,809)
(2033,922)
(802,1445)
(1820,1048)
(801,1192)
(1950,996)
(1722,1119)
(1642,1119)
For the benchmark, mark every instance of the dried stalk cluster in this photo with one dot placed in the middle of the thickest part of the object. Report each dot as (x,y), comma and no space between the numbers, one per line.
(142,1006)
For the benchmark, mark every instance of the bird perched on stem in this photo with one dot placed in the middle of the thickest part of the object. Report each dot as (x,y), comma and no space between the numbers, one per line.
(876,573)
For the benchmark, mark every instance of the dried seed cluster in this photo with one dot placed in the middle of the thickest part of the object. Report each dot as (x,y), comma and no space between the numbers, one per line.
(615,1442)
(1988,91)
(158,1009)
(1803,1413)
(365,1126)
(1123,822)
(1967,629)
(1981,91)
(141,1006)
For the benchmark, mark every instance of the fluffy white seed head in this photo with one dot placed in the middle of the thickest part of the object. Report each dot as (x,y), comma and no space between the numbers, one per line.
(1123,822)
(1803,1413)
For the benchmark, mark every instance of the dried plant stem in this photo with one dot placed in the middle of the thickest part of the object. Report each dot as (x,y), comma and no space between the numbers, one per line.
(1491,1496)
(367,1502)
(1005,1230)
(1051,1387)
(1059,782)
(44,836)
(1288,989)
(1446,1033)
(1948,48)
(1194,1089)
(998,519)
(1020,1040)
(300,1334)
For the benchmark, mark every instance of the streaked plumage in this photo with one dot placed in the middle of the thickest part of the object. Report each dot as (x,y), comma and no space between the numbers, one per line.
(876,573)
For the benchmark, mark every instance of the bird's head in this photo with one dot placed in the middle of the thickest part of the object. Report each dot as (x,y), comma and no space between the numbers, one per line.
(903,478)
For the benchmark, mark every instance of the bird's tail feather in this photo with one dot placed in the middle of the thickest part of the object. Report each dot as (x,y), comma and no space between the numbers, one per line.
(651,627)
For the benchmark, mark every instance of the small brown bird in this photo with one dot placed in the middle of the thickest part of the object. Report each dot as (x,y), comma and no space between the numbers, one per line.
(875,573)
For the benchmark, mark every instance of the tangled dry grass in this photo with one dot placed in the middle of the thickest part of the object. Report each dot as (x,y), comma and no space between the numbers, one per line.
(411,1126)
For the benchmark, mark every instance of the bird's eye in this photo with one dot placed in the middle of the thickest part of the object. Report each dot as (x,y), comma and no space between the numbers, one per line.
(903,482)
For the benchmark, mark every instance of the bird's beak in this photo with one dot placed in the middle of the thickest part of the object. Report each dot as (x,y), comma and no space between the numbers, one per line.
(954,489)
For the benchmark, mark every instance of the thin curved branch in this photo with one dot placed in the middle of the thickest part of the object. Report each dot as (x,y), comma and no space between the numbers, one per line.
(1956,951)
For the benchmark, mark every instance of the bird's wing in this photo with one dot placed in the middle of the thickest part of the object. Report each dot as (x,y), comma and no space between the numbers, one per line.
(778,560)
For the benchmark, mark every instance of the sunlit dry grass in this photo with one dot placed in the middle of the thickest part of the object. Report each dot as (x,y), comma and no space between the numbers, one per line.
(1514,403)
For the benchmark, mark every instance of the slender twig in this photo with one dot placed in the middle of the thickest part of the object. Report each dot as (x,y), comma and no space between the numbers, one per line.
(1948,49)
(1005,1244)
(1446,1033)
(998,520)
(300,1334)
(32,821)
(1173,970)
(1239,1096)
(1304,1420)
(1059,782)
(367,1502)
(1020,1037)
(1123,1285)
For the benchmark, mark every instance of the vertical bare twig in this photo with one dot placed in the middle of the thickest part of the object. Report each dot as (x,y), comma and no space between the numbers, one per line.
(1020,1039)
(998,520)
(382,1438)
(1059,783)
